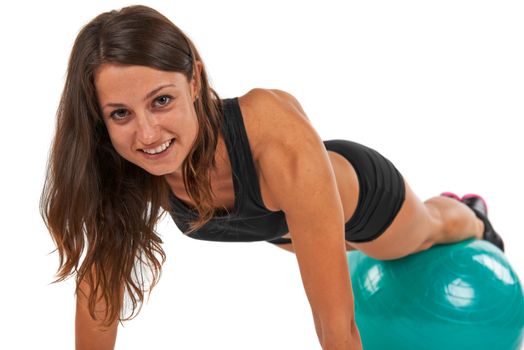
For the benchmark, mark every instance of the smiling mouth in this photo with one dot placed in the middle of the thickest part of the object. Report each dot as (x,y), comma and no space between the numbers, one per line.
(159,149)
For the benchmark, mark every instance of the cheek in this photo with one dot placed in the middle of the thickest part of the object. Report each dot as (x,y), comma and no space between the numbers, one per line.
(119,140)
(183,123)
(187,132)
(191,122)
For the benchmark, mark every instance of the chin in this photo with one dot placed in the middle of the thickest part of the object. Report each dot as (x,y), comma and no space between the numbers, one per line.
(157,172)
(161,171)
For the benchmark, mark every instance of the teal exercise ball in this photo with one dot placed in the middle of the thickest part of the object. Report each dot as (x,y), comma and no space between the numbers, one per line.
(455,296)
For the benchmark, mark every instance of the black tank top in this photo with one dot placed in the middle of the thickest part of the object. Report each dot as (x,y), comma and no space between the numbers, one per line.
(249,220)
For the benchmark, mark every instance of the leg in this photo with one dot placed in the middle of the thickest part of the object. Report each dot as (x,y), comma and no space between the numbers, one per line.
(420,225)
(460,222)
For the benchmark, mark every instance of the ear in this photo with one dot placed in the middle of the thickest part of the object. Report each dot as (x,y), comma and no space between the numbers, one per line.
(195,80)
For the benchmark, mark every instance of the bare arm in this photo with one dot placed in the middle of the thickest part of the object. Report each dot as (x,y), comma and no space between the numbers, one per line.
(296,167)
(89,333)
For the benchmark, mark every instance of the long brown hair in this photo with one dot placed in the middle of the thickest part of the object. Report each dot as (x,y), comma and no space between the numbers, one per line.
(94,202)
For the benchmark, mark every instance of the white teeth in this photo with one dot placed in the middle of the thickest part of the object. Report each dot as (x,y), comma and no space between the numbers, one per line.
(159,149)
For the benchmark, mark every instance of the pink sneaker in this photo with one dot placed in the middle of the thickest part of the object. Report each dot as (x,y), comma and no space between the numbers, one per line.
(473,195)
(480,208)
(450,195)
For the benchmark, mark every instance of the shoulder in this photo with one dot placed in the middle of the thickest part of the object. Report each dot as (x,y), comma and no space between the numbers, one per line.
(285,146)
(267,102)
(273,118)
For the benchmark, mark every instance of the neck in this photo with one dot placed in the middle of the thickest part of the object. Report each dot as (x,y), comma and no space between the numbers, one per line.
(221,160)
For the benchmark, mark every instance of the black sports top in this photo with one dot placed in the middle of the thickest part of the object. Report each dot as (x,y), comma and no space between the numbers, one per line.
(249,219)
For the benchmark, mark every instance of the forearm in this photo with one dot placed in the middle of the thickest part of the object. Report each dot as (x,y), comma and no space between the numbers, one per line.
(87,339)
(318,328)
(89,334)
(339,338)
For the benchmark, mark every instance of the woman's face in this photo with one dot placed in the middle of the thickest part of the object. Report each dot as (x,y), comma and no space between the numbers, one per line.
(149,115)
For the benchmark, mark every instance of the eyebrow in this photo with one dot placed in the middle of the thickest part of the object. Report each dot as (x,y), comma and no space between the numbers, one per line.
(149,94)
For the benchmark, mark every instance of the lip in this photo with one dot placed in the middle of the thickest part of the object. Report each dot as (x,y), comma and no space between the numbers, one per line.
(159,155)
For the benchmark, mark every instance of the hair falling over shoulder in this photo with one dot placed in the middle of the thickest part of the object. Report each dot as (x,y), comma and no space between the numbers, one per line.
(100,209)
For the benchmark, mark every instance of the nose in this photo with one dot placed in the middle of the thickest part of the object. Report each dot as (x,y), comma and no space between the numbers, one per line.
(147,129)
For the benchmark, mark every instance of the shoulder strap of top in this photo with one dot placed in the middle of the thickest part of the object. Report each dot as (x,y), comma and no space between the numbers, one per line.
(240,155)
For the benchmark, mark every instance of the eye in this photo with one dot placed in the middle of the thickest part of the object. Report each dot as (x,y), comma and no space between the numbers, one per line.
(163,100)
(118,114)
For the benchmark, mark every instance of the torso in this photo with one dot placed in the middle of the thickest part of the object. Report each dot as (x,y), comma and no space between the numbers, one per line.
(222,182)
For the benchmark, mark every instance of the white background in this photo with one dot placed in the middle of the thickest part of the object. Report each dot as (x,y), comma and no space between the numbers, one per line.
(437,87)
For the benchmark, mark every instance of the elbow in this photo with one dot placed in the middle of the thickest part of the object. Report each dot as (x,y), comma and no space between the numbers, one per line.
(341,334)
(92,333)
(89,334)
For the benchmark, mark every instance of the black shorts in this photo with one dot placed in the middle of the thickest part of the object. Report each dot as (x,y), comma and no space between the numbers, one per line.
(382,191)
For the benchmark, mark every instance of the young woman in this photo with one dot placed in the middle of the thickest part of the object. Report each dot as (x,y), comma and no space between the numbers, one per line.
(140,132)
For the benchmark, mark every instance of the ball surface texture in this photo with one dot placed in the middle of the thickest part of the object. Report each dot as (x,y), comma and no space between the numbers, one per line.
(455,296)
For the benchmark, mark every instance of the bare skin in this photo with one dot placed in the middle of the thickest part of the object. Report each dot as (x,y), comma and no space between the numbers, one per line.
(418,226)
(285,150)
(135,126)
